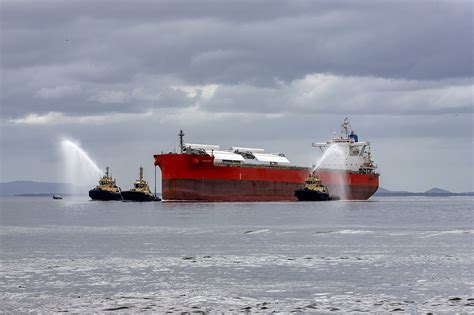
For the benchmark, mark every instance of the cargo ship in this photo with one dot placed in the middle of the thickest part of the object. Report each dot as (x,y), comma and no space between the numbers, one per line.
(201,172)
(206,173)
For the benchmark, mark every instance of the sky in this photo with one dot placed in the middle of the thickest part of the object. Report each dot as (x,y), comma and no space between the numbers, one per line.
(121,78)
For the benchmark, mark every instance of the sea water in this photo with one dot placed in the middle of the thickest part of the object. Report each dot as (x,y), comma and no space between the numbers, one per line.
(410,254)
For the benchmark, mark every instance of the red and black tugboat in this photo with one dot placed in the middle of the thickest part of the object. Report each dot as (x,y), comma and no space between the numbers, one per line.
(106,190)
(140,191)
(313,190)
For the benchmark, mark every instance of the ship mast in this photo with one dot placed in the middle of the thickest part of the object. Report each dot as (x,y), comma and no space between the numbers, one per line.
(345,127)
(107,171)
(141,173)
(181,144)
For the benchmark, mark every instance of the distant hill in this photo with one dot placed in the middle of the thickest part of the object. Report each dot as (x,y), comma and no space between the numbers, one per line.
(32,187)
(431,192)
(437,190)
(382,191)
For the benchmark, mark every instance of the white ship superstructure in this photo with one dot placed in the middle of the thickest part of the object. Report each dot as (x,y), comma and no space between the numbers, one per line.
(346,167)
(346,153)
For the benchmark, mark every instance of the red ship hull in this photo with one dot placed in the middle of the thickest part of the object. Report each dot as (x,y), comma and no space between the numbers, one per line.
(348,185)
(191,177)
(196,177)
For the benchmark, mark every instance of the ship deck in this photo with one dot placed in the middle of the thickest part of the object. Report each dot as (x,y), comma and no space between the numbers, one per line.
(249,165)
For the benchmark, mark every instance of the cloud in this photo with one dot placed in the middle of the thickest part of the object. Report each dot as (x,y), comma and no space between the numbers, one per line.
(313,94)
(132,94)
(225,42)
(205,92)
(108,97)
(331,94)
(76,59)
(37,119)
(56,118)
(58,92)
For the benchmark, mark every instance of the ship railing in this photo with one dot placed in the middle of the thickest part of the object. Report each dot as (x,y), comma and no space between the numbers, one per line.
(367,170)
(329,143)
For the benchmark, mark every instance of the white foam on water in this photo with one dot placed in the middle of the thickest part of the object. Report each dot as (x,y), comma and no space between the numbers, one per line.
(257,231)
(452,232)
(93,278)
(354,232)
(79,169)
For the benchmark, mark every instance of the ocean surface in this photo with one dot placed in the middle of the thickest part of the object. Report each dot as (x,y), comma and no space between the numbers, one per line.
(407,254)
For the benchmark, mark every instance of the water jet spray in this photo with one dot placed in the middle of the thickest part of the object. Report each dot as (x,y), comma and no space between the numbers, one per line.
(79,168)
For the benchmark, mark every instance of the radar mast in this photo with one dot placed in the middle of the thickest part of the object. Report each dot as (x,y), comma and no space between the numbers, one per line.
(345,126)
(181,144)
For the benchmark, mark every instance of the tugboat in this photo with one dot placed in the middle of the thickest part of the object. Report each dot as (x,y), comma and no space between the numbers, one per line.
(313,190)
(106,190)
(140,191)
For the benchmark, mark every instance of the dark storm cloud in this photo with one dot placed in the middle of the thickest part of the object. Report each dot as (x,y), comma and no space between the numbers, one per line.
(263,39)
(286,40)
(108,44)
(97,49)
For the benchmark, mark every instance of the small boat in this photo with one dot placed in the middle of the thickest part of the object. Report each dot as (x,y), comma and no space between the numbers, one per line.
(106,190)
(57,197)
(313,190)
(140,191)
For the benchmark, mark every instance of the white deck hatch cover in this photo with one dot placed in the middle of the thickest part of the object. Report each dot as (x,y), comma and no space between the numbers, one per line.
(225,155)
(273,158)
(206,147)
(253,150)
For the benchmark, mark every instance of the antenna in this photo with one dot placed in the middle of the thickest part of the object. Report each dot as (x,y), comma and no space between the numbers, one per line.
(345,127)
(181,145)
